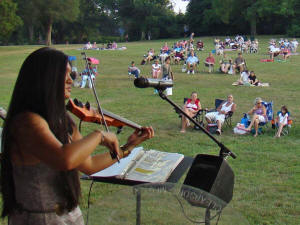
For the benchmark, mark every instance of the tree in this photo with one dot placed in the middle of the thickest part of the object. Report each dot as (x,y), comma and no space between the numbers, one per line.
(56,10)
(250,10)
(29,14)
(141,17)
(9,21)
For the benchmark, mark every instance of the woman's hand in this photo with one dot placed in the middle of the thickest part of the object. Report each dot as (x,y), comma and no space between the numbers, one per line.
(138,137)
(110,141)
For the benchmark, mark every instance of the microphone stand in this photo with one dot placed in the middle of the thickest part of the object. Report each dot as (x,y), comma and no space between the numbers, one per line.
(224,151)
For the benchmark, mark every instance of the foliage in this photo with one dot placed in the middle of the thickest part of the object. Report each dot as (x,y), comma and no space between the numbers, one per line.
(78,21)
(9,21)
(51,11)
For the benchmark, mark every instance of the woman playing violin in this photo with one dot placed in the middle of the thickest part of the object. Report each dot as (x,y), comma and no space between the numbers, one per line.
(42,148)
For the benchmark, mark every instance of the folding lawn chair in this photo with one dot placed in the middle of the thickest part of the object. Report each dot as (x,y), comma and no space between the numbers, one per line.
(286,128)
(198,117)
(228,119)
(270,114)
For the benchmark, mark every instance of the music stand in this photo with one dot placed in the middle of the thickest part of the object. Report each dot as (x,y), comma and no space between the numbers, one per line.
(161,204)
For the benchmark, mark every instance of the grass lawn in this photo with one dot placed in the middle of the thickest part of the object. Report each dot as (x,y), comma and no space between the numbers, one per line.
(267,170)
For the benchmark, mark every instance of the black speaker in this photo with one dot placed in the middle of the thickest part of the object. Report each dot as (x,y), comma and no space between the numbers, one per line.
(211,174)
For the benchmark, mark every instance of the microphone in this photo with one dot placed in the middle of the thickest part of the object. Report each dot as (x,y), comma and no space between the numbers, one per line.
(142,82)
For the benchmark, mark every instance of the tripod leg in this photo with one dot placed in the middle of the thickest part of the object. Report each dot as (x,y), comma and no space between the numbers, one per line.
(138,207)
(207,216)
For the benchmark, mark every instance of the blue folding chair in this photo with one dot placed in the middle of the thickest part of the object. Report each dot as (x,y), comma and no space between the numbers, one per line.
(270,114)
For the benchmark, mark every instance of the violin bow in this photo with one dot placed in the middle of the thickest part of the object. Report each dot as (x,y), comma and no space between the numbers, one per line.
(113,154)
(94,90)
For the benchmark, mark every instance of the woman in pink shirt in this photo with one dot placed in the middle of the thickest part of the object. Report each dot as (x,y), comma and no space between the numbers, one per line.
(191,107)
(210,62)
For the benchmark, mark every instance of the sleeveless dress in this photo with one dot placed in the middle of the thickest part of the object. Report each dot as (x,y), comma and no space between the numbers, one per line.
(260,112)
(36,193)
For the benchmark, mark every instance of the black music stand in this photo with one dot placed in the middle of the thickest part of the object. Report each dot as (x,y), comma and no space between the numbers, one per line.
(173,178)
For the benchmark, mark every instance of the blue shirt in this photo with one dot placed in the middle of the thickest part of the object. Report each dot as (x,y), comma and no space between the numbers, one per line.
(192,59)
(92,71)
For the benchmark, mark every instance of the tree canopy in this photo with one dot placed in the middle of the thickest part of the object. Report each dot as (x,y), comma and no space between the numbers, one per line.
(9,20)
(78,21)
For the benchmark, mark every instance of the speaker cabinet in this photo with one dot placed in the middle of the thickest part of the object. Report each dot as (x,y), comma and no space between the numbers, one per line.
(211,174)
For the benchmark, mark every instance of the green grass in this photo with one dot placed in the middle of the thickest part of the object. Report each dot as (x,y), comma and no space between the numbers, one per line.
(267,170)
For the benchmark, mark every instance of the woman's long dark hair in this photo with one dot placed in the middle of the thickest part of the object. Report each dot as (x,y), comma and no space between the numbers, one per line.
(40,89)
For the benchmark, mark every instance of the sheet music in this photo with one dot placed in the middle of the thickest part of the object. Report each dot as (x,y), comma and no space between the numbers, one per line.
(143,165)
(117,169)
(154,166)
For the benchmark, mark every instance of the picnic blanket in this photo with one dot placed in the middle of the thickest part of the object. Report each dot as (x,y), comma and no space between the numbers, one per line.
(267,60)
(236,83)
(291,53)
(229,49)
(102,49)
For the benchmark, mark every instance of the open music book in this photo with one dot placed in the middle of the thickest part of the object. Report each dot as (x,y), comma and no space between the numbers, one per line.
(144,166)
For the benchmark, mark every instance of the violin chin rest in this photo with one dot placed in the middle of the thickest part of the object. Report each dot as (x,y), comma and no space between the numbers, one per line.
(119,129)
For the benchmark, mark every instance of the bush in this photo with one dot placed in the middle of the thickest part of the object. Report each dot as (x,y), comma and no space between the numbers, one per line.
(293,31)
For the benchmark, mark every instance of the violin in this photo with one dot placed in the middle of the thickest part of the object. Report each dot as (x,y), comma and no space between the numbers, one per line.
(85,113)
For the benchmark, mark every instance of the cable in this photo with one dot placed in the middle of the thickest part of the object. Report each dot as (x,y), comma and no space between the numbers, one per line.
(88,209)
(194,221)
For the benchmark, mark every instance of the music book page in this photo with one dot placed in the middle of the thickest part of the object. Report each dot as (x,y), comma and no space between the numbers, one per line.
(144,165)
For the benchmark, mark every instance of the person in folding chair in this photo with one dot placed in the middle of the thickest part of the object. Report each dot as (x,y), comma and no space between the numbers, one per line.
(259,113)
(224,109)
(281,120)
(191,107)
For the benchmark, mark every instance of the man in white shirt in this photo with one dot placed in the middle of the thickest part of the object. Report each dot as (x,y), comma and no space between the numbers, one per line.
(273,51)
(191,61)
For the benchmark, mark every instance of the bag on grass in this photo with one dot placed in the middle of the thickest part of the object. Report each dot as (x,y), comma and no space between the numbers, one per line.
(240,129)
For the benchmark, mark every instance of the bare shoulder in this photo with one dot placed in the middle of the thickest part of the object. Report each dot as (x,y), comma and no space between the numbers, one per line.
(26,121)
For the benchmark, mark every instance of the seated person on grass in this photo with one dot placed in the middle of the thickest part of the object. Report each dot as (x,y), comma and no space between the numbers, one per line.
(225,63)
(219,116)
(259,113)
(179,56)
(191,107)
(191,62)
(273,51)
(239,64)
(281,120)
(114,45)
(253,79)
(156,69)
(200,45)
(210,62)
(165,48)
(294,44)
(132,69)
(244,79)
(148,57)
(88,46)
(286,53)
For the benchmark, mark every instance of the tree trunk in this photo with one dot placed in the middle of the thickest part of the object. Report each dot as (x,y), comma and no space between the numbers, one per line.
(143,35)
(31,32)
(253,25)
(48,35)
